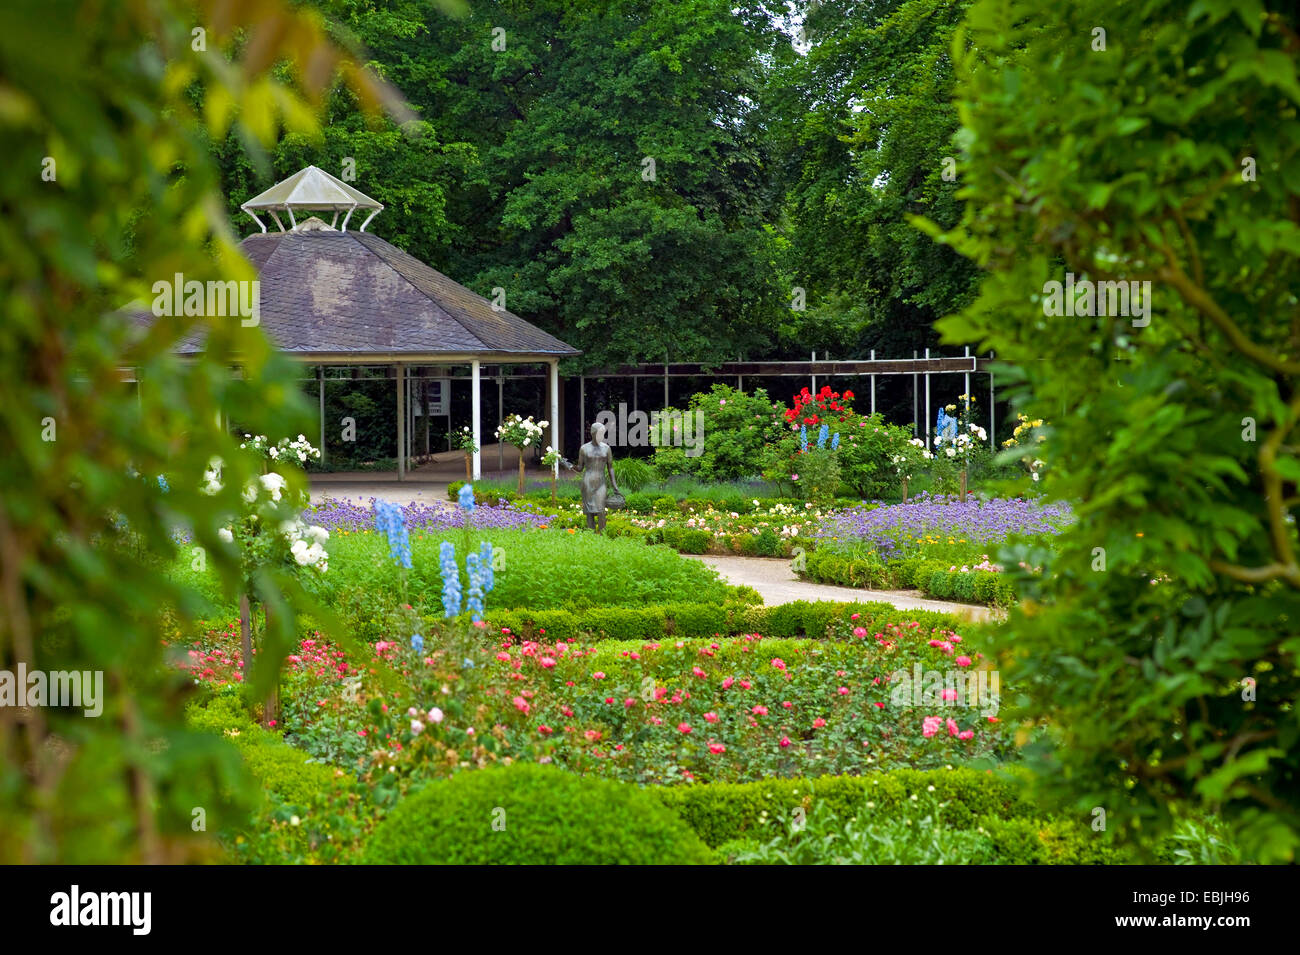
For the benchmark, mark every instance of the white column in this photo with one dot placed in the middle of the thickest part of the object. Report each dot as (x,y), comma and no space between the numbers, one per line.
(555,411)
(477,416)
(968,394)
(401,422)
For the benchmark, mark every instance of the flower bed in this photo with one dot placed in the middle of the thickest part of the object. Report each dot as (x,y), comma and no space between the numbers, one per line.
(768,529)
(939,527)
(938,545)
(347,515)
(655,712)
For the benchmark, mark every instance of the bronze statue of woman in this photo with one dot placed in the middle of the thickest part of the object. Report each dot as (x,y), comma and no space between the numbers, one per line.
(595,461)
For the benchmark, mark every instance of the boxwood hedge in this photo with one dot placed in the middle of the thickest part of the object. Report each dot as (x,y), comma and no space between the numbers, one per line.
(527,814)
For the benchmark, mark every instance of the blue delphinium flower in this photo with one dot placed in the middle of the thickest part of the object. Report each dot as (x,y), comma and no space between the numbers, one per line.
(822,435)
(945,426)
(390,522)
(835,442)
(803,438)
(474,602)
(417,643)
(163,485)
(466,497)
(486,554)
(450,579)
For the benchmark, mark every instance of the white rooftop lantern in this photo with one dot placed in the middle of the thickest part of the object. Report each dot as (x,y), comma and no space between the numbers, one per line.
(315,190)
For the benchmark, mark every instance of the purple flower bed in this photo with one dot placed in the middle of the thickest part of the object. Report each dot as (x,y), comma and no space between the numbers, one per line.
(894,529)
(334,515)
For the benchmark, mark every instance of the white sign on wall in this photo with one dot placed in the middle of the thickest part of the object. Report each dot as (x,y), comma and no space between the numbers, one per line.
(439,393)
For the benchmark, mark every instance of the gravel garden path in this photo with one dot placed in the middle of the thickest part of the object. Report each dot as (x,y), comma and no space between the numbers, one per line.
(774,580)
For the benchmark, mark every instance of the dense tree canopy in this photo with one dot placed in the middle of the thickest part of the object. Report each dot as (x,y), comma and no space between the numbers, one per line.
(652,180)
(599,162)
(865,123)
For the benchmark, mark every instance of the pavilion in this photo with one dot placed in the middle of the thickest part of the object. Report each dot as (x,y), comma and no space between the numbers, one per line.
(334,296)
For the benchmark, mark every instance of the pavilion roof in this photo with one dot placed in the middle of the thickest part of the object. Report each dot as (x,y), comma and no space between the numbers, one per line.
(330,293)
(326,293)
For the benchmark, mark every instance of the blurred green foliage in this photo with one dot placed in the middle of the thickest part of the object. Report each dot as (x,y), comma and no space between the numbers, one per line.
(110,189)
(1150,142)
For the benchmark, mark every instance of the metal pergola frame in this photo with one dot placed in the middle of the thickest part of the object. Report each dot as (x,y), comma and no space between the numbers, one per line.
(916,366)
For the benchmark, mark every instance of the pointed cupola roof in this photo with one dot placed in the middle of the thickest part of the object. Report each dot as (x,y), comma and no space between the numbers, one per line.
(311,189)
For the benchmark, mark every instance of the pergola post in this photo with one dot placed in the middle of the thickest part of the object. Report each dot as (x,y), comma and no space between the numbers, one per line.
(916,397)
(992,408)
(320,379)
(873,385)
(401,422)
(927,405)
(967,383)
(476,423)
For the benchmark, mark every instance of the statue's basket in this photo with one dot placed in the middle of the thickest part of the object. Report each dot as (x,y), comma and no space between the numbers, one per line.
(615,501)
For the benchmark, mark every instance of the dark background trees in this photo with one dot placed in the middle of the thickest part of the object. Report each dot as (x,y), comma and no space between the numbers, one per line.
(528,168)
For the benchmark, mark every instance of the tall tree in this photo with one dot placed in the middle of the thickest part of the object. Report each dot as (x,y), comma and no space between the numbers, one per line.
(867,120)
(599,162)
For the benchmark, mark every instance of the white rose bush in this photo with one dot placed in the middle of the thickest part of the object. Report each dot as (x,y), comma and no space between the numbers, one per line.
(521,433)
(463,440)
(268,532)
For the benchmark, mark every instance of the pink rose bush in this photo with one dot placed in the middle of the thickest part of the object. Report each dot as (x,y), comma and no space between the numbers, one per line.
(634,710)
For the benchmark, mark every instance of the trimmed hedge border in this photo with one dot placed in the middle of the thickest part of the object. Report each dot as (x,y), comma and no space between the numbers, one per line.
(800,618)
(722,813)
(930,576)
(282,769)
(309,813)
